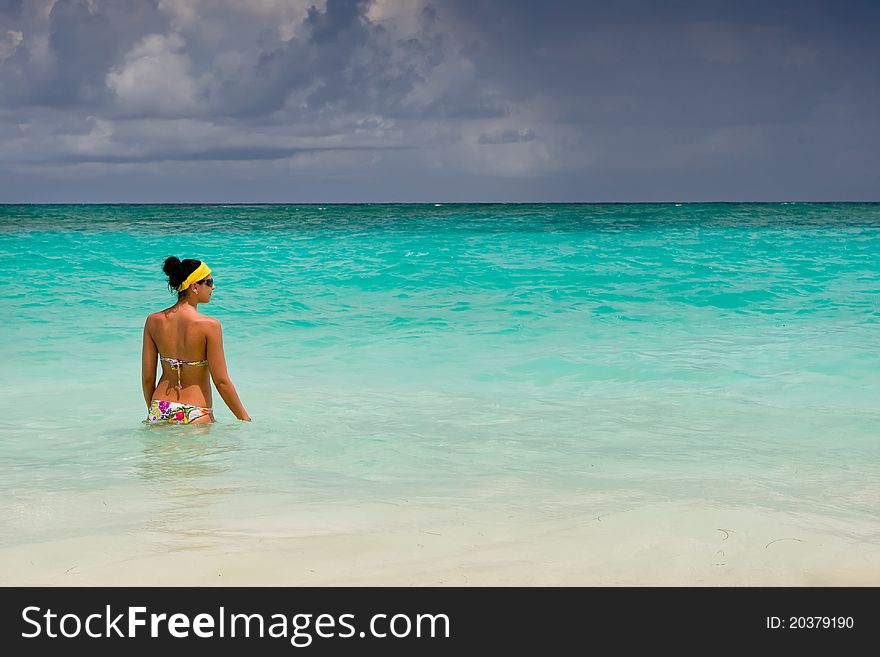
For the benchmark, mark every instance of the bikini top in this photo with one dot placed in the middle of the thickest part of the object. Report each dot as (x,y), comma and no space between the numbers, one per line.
(175,365)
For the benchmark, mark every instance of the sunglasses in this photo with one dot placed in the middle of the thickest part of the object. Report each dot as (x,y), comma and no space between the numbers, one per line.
(208,281)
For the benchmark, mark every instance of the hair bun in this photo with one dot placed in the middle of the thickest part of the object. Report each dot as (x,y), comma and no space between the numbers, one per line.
(172,267)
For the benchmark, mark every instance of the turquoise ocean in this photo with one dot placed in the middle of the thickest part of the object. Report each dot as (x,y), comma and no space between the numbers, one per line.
(450,394)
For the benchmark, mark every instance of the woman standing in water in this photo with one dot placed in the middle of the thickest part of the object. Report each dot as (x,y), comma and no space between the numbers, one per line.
(189,346)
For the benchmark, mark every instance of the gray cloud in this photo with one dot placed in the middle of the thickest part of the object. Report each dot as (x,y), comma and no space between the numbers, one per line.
(11,8)
(344,62)
(64,55)
(218,154)
(507,137)
(684,63)
(83,45)
(626,100)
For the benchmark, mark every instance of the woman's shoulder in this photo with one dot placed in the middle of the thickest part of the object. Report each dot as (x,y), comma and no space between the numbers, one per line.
(208,323)
(152,318)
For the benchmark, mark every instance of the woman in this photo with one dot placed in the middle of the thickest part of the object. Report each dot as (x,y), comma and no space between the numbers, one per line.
(189,346)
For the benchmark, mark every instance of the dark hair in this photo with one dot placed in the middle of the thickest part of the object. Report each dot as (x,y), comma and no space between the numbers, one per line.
(177,271)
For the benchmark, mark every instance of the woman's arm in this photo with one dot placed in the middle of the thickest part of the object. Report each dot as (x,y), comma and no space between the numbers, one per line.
(149,355)
(217,365)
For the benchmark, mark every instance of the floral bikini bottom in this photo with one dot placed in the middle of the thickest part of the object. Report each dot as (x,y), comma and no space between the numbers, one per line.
(174,412)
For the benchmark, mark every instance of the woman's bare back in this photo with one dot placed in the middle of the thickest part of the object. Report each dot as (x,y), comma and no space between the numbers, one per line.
(181,333)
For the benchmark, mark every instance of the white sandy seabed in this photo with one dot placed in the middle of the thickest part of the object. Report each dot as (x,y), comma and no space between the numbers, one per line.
(418,544)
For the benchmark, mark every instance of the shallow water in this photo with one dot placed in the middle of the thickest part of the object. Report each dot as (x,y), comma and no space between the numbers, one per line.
(525,367)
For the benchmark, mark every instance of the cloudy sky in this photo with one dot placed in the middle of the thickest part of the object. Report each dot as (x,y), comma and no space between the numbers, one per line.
(438,100)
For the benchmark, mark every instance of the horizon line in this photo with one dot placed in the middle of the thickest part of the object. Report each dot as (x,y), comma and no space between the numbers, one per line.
(443,203)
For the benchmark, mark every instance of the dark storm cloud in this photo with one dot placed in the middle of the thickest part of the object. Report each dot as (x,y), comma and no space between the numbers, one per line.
(339,21)
(674,63)
(337,37)
(343,62)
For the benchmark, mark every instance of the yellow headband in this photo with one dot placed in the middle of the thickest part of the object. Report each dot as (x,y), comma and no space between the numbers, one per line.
(202,271)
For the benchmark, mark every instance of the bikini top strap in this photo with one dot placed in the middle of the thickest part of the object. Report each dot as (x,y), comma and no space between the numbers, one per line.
(175,365)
